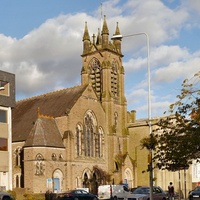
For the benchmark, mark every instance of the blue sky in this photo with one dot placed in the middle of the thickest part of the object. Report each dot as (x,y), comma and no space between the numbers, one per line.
(41,42)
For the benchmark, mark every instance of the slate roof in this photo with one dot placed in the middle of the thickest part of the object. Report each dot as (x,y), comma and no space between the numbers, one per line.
(54,104)
(44,133)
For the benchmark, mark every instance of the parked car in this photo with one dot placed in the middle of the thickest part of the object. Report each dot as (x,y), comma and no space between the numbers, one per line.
(137,197)
(194,194)
(158,193)
(77,195)
(176,194)
(113,192)
(5,196)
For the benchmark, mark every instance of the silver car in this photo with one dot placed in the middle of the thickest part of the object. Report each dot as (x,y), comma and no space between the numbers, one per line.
(158,193)
(137,197)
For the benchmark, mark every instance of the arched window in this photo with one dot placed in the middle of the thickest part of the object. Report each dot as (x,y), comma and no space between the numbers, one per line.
(86,181)
(60,157)
(99,142)
(114,79)
(53,157)
(17,181)
(89,137)
(39,164)
(90,129)
(79,132)
(18,156)
(96,76)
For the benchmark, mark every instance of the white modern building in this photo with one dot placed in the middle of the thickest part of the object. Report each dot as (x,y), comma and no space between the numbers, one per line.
(7,102)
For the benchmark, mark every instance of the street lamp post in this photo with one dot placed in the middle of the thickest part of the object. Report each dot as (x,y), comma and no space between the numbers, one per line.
(115,37)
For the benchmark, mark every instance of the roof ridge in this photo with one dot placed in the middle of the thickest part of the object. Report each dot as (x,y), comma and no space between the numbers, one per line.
(48,93)
(43,116)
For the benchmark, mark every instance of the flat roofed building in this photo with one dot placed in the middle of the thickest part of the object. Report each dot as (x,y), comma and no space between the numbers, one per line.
(7,102)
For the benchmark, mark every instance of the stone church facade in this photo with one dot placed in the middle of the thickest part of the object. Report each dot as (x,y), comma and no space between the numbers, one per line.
(83,136)
(76,137)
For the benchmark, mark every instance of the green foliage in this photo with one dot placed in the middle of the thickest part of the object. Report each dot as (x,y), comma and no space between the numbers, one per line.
(104,176)
(29,196)
(178,135)
(149,142)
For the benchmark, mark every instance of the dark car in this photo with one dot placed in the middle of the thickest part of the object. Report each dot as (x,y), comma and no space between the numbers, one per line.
(77,195)
(195,194)
(5,196)
(158,193)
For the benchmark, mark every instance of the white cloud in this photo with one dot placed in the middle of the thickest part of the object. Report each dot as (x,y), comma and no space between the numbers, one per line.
(177,70)
(48,57)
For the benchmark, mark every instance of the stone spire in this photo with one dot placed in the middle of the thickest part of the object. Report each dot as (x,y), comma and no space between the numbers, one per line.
(117,42)
(86,39)
(98,37)
(105,33)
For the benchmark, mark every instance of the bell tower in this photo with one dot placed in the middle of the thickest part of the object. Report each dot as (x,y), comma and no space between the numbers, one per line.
(102,68)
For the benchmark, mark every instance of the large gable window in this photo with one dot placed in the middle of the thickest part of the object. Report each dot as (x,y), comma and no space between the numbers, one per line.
(89,137)
(89,131)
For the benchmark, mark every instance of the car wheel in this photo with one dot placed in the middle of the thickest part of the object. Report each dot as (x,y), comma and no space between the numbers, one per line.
(115,198)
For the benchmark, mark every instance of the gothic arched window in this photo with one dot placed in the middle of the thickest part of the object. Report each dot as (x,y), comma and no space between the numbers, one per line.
(79,136)
(114,79)
(17,181)
(90,128)
(39,164)
(101,132)
(99,142)
(89,137)
(18,156)
(96,76)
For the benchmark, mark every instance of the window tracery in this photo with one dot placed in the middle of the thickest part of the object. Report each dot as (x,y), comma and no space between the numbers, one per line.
(89,134)
(89,137)
(39,165)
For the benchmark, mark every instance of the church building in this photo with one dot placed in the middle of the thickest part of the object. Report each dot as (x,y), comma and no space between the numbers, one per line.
(83,136)
(76,137)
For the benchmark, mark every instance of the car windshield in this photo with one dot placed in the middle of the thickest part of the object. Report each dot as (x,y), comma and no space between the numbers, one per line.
(141,191)
(197,189)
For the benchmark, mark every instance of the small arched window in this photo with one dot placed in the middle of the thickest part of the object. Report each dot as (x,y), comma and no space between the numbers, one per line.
(79,138)
(39,164)
(18,156)
(53,157)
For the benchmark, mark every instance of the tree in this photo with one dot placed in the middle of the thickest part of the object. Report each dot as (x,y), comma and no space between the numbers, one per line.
(178,135)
